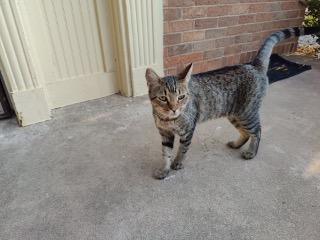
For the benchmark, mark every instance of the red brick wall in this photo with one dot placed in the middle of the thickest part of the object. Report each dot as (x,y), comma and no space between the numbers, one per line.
(215,33)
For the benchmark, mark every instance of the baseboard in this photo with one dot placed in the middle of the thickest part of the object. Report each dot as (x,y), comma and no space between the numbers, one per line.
(80,89)
(31,106)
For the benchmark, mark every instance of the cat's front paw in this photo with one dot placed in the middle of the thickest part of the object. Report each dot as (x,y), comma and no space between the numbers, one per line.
(176,165)
(233,145)
(161,173)
(248,155)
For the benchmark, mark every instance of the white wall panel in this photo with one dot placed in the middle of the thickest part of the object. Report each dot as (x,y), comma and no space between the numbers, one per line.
(80,34)
(74,37)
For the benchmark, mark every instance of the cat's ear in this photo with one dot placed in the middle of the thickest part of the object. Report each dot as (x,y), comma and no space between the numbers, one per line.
(185,74)
(152,78)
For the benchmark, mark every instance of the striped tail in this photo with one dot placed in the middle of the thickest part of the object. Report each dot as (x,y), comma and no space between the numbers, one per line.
(263,57)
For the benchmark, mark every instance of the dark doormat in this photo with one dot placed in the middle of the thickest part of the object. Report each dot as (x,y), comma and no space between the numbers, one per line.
(5,109)
(280,68)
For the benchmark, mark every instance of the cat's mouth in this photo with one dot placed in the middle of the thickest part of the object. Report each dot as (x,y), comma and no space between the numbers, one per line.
(167,117)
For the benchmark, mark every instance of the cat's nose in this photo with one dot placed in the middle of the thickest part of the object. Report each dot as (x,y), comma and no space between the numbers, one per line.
(172,108)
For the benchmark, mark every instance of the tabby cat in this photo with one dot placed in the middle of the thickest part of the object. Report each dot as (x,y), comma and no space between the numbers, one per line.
(235,92)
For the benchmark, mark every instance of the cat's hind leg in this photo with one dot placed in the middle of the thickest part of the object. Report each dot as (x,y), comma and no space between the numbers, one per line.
(244,135)
(253,128)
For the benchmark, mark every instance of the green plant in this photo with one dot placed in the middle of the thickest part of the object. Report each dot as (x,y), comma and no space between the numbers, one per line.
(312,17)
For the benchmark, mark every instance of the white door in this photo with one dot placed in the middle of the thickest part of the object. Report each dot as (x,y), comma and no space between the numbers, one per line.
(82,50)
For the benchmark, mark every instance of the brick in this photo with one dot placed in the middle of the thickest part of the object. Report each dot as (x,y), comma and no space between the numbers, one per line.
(236,59)
(194,12)
(215,33)
(237,9)
(206,2)
(296,22)
(223,42)
(199,67)
(231,60)
(265,7)
(165,27)
(180,26)
(228,21)
(215,63)
(267,26)
(213,2)
(279,15)
(250,46)
(165,52)
(215,53)
(193,36)
(301,13)
(262,35)
(275,6)
(264,17)
(255,27)
(236,30)
(290,5)
(281,24)
(219,11)
(244,1)
(258,7)
(180,3)
(172,14)
(170,71)
(243,58)
(232,50)
(206,23)
(292,14)
(247,56)
(253,54)
(182,67)
(179,49)
(244,38)
(203,45)
(170,39)
(228,1)
(175,60)
(251,1)
(278,49)
(247,18)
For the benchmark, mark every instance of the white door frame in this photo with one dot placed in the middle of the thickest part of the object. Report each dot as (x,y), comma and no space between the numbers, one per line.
(138,34)
(22,78)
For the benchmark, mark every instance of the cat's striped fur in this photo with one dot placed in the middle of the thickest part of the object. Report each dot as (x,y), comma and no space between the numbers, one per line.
(236,92)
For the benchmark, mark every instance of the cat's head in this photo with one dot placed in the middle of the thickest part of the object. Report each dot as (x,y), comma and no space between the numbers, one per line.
(169,95)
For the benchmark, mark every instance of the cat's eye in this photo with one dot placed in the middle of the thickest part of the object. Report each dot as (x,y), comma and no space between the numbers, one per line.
(162,98)
(181,97)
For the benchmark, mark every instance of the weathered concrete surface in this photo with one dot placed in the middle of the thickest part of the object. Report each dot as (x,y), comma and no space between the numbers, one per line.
(87,174)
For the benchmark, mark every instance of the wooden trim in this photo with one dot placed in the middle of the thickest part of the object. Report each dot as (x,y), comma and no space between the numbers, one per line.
(21,78)
(139,34)
(122,48)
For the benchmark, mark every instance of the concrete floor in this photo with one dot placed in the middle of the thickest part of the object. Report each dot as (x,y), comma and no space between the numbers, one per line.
(87,174)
